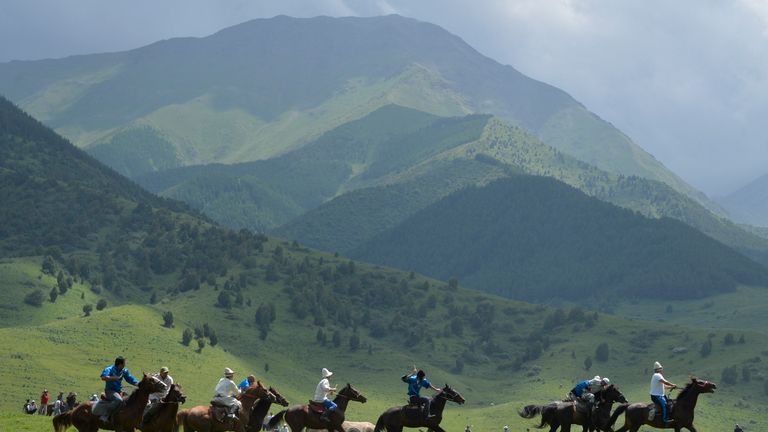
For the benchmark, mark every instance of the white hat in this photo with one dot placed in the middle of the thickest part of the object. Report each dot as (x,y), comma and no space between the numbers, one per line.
(596,378)
(327,373)
(657,366)
(606,381)
(228,371)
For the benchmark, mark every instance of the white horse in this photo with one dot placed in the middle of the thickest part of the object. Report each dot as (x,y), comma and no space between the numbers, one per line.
(350,426)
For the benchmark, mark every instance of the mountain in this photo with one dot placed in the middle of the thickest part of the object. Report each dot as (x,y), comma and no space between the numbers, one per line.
(381,190)
(265,87)
(535,238)
(278,309)
(750,203)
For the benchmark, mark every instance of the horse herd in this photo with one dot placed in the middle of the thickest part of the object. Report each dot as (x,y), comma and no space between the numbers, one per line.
(257,400)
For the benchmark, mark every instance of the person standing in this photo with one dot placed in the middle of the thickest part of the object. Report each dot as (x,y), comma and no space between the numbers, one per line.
(71,401)
(58,403)
(113,377)
(658,385)
(226,393)
(44,398)
(322,391)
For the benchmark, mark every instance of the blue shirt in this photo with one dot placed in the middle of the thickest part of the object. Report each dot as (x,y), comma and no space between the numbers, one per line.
(580,387)
(117,386)
(414,385)
(244,384)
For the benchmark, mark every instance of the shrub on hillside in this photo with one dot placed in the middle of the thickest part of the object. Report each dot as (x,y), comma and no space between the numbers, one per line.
(54,294)
(706,348)
(35,298)
(602,352)
(588,363)
(186,337)
(168,319)
(101,304)
(87,309)
(730,375)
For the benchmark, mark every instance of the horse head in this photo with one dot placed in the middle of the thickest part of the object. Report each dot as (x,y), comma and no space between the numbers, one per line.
(703,386)
(279,399)
(258,391)
(175,394)
(612,394)
(350,393)
(452,395)
(151,384)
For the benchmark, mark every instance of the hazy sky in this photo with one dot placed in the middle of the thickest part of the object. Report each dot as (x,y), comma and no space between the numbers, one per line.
(686,79)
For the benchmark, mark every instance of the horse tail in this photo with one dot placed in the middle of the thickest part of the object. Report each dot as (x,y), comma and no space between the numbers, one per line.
(380,427)
(530,411)
(619,411)
(62,421)
(276,419)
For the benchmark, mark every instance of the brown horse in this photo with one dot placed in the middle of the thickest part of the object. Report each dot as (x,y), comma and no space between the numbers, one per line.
(127,418)
(164,419)
(261,408)
(301,416)
(563,414)
(200,418)
(681,410)
(396,418)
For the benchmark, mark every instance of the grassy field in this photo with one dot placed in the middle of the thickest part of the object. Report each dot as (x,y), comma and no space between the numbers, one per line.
(58,348)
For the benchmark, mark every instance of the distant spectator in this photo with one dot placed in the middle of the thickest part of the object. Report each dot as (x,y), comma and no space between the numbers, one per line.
(44,398)
(93,398)
(738,428)
(30,407)
(58,404)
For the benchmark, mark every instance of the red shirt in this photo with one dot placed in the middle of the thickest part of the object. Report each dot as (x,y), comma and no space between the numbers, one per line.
(44,399)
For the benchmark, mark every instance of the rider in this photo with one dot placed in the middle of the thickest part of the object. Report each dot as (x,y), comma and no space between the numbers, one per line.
(113,376)
(247,382)
(416,380)
(157,397)
(586,389)
(321,394)
(226,393)
(658,384)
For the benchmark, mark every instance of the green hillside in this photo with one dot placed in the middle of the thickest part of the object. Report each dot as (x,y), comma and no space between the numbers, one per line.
(508,236)
(264,87)
(380,199)
(279,306)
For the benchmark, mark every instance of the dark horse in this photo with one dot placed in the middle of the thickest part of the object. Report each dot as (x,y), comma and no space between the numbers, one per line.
(682,410)
(396,418)
(260,410)
(164,419)
(201,418)
(127,417)
(302,416)
(564,414)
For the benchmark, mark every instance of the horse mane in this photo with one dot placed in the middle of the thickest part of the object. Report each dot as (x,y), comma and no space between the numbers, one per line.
(684,392)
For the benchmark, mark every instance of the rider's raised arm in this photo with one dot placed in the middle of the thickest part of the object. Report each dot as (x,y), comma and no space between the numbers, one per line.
(130,378)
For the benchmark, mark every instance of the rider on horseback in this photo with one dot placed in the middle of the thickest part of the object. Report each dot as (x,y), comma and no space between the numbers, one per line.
(156,398)
(113,375)
(322,391)
(417,380)
(226,394)
(658,384)
(585,391)
(247,382)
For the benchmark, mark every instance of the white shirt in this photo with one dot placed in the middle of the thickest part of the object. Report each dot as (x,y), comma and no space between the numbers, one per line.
(595,385)
(321,392)
(657,387)
(168,381)
(226,388)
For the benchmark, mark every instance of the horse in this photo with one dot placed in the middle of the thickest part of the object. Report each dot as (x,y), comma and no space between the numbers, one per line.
(201,419)
(261,408)
(681,410)
(350,426)
(164,418)
(302,416)
(126,418)
(563,414)
(395,418)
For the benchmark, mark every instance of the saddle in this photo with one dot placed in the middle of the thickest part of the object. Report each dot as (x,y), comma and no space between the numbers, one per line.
(654,409)
(414,409)
(581,406)
(316,407)
(220,412)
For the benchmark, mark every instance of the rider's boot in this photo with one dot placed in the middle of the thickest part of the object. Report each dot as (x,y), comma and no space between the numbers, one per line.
(325,417)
